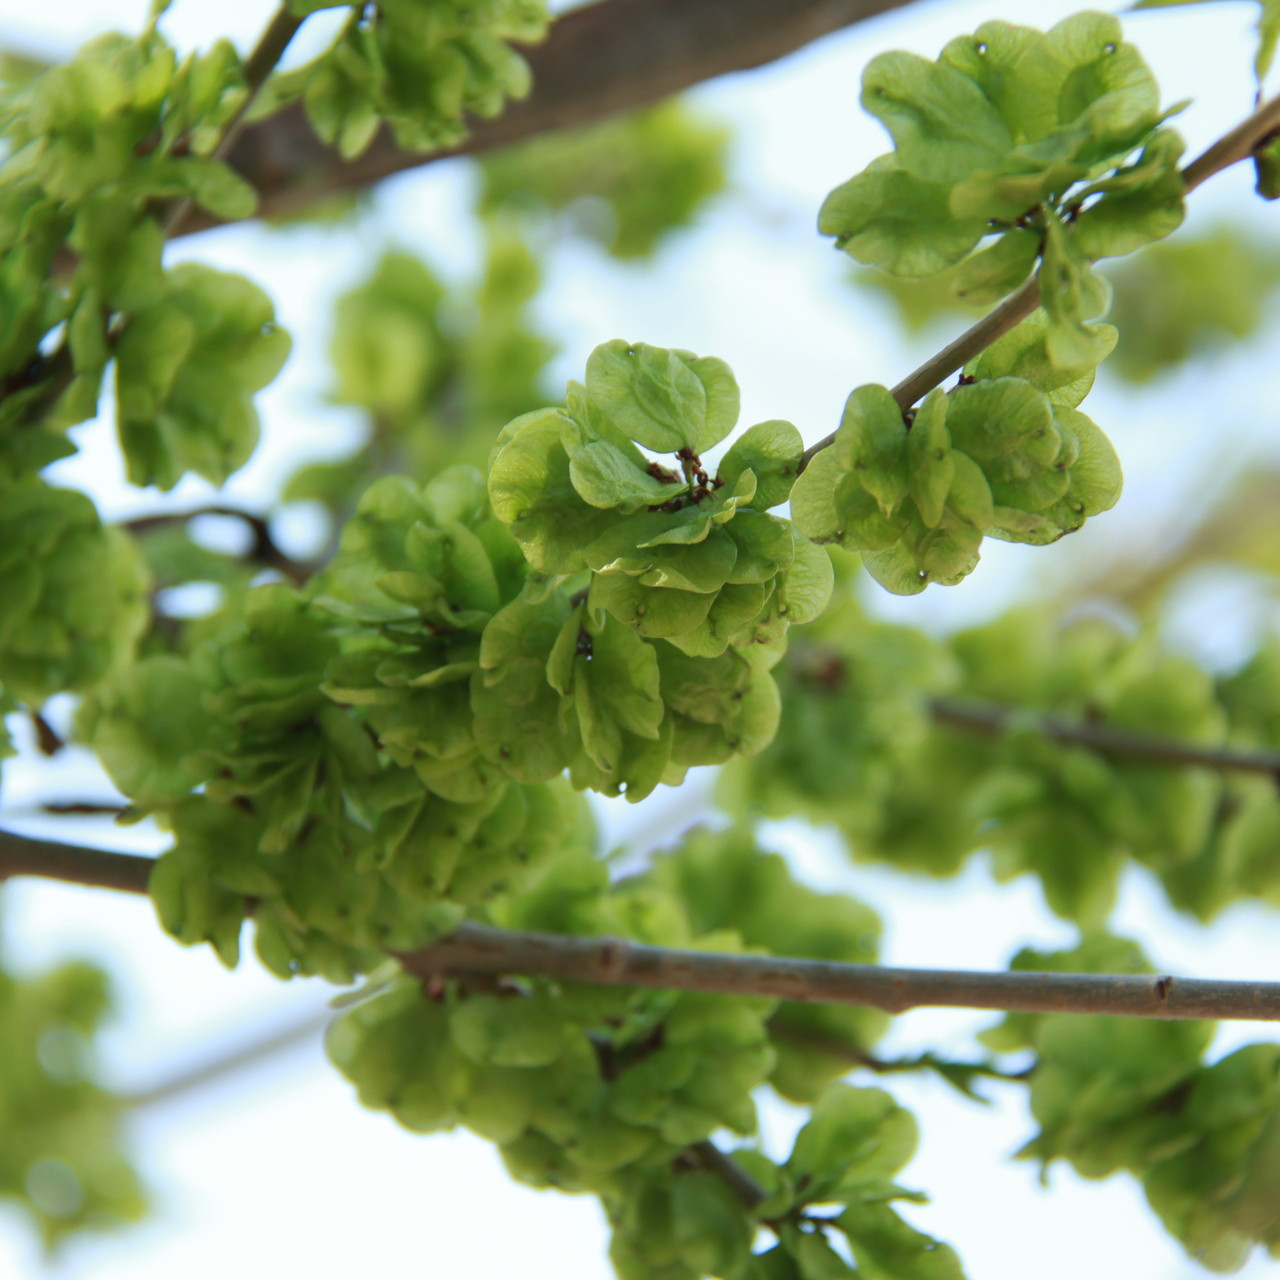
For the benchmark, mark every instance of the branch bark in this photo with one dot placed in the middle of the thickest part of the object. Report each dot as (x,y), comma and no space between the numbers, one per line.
(481,949)
(605,58)
(991,719)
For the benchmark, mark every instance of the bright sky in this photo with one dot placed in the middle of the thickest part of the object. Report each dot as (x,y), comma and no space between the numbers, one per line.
(280,1172)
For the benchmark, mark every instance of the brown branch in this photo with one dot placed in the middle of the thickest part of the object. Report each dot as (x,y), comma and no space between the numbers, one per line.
(264,549)
(74,864)
(618,962)
(1231,148)
(1239,144)
(258,66)
(709,1157)
(613,962)
(601,59)
(993,719)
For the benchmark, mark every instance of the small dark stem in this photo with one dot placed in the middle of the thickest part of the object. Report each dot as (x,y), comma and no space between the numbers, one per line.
(264,550)
(48,740)
(992,719)
(259,65)
(730,1172)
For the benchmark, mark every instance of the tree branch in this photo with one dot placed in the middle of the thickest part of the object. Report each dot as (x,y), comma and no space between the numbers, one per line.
(264,549)
(258,66)
(612,962)
(992,719)
(1238,144)
(229,1061)
(72,863)
(601,59)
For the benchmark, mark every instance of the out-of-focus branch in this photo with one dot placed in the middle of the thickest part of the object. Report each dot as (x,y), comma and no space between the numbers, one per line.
(601,59)
(990,719)
(262,551)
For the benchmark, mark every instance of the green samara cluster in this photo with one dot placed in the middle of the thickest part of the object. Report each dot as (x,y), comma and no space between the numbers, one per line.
(678,554)
(1026,139)
(1005,454)
(419,67)
(883,735)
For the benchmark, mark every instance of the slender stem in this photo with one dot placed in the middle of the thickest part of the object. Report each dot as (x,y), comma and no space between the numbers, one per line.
(477,948)
(1231,148)
(730,1172)
(259,65)
(993,719)
(264,551)
(227,1062)
(1235,146)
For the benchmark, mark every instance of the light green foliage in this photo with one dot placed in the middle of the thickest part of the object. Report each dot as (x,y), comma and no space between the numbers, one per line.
(682,556)
(420,68)
(394,742)
(861,744)
(187,366)
(74,593)
(653,170)
(1004,454)
(1188,299)
(99,152)
(1024,135)
(1112,1094)
(609,1090)
(471,670)
(63,1159)
(438,372)
(724,882)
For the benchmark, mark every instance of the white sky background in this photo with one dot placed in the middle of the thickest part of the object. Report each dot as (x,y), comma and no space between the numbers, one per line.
(279,1171)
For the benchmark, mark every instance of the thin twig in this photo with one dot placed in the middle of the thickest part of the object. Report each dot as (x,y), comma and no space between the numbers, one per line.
(730,1172)
(1239,144)
(1231,148)
(228,1062)
(477,948)
(259,65)
(993,719)
(264,549)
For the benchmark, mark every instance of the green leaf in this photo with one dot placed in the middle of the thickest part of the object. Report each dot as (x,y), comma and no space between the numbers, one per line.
(606,477)
(930,465)
(663,400)
(771,451)
(898,220)
(853,1139)
(186,371)
(985,277)
(147,726)
(942,124)
(531,489)
(1071,293)
(1140,204)
(887,1248)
